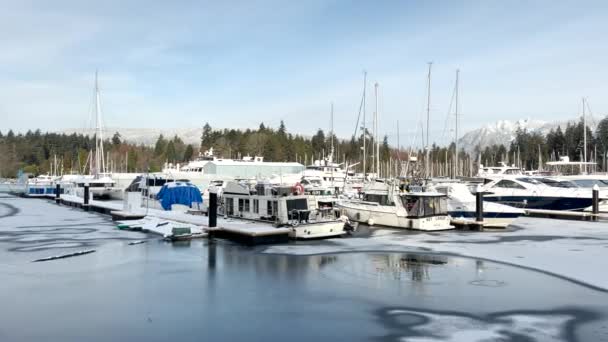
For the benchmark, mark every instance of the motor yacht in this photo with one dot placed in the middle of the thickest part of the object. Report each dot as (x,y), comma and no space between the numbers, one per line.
(383,204)
(462,204)
(534,193)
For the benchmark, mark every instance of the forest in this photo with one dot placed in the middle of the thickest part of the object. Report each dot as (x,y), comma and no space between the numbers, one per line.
(40,153)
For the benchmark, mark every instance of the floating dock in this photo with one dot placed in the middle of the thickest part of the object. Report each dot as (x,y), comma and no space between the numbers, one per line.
(160,222)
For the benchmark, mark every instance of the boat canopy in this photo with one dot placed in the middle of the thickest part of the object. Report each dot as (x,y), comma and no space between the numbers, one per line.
(184,193)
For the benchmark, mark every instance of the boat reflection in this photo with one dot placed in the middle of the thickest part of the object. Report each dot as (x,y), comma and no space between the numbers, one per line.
(414,267)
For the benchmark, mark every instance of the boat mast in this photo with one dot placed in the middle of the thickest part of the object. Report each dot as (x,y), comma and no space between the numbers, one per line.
(428,112)
(99,157)
(331,154)
(376,131)
(584,137)
(456,138)
(364,130)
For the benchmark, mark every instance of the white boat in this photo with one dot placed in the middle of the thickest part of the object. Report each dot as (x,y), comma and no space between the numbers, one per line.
(100,182)
(384,205)
(209,168)
(494,172)
(280,207)
(534,193)
(462,205)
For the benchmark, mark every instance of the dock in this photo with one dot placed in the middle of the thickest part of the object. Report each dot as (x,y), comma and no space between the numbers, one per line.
(566,215)
(160,222)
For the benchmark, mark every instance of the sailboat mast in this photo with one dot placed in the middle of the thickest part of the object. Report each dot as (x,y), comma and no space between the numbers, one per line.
(456,129)
(428,115)
(376,131)
(364,130)
(331,126)
(584,137)
(99,155)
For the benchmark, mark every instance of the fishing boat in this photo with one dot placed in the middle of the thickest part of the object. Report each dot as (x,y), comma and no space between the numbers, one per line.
(383,204)
(280,206)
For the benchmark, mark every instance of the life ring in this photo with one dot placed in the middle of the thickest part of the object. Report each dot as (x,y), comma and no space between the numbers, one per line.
(298,189)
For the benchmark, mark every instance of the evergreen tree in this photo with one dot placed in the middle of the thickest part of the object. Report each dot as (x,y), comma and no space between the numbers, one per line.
(188,153)
(160,146)
(116,139)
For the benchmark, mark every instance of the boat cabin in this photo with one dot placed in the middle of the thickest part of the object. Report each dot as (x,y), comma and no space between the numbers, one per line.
(265,203)
(425,204)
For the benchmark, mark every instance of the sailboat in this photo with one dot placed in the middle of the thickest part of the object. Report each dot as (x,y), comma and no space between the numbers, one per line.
(99,181)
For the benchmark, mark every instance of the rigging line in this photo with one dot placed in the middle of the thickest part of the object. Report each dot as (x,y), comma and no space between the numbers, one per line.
(359,116)
(447,117)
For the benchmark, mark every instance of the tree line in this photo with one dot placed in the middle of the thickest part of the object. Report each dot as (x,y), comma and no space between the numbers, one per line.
(38,153)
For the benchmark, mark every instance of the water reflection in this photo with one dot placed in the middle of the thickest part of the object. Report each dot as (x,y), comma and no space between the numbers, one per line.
(414,267)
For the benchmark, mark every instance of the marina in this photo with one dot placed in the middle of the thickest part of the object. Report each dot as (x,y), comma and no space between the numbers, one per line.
(400,171)
(381,283)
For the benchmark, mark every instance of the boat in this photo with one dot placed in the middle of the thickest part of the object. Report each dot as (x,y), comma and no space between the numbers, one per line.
(99,180)
(179,234)
(208,167)
(462,205)
(383,204)
(494,172)
(533,193)
(281,207)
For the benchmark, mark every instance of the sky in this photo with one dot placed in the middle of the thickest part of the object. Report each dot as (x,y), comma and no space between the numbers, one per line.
(238,63)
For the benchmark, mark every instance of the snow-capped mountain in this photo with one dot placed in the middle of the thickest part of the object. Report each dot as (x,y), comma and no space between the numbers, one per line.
(147,136)
(503,132)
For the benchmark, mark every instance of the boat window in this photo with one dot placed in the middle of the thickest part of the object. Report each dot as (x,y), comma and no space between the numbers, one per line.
(271,208)
(508,184)
(589,183)
(556,183)
(298,204)
(425,205)
(246,207)
(377,198)
(512,172)
(256,206)
(241,205)
(531,180)
(230,206)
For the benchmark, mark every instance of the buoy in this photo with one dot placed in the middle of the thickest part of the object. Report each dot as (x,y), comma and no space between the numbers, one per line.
(370,222)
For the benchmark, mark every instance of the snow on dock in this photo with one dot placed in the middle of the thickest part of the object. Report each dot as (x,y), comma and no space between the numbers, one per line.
(161,222)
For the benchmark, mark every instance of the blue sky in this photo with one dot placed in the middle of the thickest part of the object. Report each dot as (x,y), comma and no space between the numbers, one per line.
(237,63)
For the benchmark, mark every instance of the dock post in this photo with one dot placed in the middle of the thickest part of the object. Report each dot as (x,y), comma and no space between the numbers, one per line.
(57,192)
(479,204)
(595,201)
(85,204)
(212,209)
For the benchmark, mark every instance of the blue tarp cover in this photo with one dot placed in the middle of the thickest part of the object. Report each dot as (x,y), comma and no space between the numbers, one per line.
(184,193)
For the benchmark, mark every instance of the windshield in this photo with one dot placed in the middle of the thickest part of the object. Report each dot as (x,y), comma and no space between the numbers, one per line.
(422,206)
(556,183)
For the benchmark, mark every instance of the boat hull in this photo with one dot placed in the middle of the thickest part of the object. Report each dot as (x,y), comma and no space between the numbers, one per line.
(389,217)
(317,230)
(542,202)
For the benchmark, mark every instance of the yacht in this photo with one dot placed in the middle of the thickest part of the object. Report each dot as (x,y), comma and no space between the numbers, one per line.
(278,205)
(385,205)
(535,193)
(462,204)
(209,168)
(494,172)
